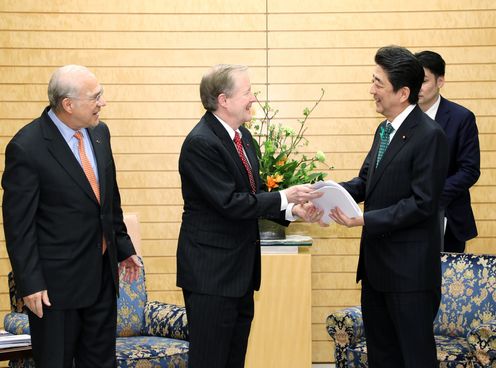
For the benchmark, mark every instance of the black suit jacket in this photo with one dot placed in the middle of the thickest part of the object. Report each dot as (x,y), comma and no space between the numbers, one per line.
(400,244)
(53,223)
(218,248)
(464,168)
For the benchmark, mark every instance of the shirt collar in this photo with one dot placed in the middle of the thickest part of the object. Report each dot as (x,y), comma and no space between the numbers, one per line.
(398,120)
(66,132)
(433,109)
(230,130)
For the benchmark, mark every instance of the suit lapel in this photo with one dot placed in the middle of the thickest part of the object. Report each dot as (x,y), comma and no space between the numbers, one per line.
(442,115)
(399,141)
(100,156)
(375,147)
(61,152)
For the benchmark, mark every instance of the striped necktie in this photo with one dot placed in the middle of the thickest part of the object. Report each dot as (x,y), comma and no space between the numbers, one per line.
(88,170)
(241,153)
(90,174)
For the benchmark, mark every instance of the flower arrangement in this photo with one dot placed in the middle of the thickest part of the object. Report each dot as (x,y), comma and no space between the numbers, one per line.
(275,144)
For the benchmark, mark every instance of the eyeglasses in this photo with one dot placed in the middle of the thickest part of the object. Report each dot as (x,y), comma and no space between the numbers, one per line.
(96,98)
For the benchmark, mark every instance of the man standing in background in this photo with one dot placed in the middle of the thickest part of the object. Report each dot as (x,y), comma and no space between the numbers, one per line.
(464,169)
(400,183)
(218,255)
(64,227)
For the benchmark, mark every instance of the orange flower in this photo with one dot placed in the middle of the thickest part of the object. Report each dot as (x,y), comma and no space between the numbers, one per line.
(273,181)
(282,161)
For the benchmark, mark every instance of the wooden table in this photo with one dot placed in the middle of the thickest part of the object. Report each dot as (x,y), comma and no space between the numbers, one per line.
(281,334)
(16,353)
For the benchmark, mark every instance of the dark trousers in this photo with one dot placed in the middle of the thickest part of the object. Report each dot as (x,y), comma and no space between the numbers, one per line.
(81,338)
(399,328)
(218,329)
(451,243)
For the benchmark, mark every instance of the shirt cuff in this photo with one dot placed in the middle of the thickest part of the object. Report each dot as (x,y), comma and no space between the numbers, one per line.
(289,213)
(288,207)
(284,200)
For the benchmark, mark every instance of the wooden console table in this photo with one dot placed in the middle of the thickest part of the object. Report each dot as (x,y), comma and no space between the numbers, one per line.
(15,353)
(281,333)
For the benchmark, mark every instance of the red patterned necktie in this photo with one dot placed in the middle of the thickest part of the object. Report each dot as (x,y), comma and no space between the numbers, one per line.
(241,153)
(90,174)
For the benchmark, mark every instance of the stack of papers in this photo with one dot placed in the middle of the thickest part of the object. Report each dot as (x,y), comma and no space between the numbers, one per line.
(335,196)
(279,249)
(289,245)
(8,340)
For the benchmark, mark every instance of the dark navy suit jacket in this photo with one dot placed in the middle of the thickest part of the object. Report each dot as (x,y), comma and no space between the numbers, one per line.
(53,222)
(464,167)
(399,248)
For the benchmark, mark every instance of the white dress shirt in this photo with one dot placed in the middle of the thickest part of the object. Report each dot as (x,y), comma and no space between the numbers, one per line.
(433,109)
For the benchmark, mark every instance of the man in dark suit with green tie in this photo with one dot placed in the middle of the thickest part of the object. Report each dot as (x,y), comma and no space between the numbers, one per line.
(400,183)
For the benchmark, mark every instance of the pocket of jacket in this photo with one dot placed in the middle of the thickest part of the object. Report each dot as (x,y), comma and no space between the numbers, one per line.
(410,235)
(218,240)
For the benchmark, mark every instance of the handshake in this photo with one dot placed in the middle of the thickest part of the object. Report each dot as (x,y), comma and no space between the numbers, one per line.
(302,195)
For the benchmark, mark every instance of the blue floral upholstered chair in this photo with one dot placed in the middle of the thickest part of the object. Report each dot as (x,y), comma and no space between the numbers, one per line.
(150,334)
(464,328)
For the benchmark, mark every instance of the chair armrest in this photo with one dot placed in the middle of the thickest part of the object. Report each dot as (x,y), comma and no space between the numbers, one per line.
(166,320)
(346,328)
(16,323)
(482,342)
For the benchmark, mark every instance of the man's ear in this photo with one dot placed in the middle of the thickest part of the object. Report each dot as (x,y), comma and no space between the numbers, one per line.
(440,81)
(404,93)
(222,100)
(68,105)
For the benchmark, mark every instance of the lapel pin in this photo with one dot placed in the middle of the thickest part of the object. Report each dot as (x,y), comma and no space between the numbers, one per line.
(404,137)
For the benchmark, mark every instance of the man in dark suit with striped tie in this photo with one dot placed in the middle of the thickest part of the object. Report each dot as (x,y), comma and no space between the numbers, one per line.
(218,255)
(400,183)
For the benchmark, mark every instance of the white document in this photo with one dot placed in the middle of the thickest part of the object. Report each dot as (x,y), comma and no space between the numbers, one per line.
(279,249)
(8,340)
(335,196)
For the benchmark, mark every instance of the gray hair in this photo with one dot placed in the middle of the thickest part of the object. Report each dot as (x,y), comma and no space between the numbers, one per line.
(62,84)
(216,81)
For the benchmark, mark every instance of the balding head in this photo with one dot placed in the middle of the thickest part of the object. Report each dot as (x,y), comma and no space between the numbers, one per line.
(66,82)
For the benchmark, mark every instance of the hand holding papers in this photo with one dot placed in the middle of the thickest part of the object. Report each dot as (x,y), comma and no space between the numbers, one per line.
(334,195)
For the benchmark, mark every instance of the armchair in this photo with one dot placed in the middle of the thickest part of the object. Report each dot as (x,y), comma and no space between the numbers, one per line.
(149,333)
(465,326)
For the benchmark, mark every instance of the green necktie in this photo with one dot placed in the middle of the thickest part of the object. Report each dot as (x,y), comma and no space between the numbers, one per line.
(385,133)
